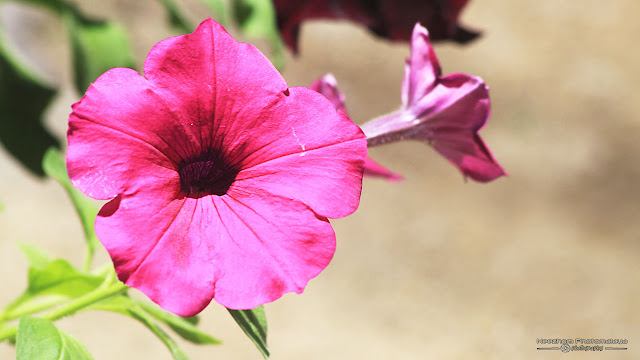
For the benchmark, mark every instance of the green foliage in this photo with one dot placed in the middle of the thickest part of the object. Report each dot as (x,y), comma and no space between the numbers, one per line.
(176,18)
(254,324)
(55,278)
(39,339)
(180,325)
(125,305)
(37,257)
(60,278)
(219,10)
(23,100)
(54,166)
(257,19)
(97,46)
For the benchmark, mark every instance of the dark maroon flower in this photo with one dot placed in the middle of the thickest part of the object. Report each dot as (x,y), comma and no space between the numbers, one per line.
(393,20)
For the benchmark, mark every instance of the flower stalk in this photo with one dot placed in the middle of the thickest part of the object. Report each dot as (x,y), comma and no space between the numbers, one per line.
(106,291)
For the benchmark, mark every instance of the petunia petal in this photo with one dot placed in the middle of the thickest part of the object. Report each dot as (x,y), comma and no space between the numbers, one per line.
(452,125)
(319,162)
(422,68)
(116,144)
(328,86)
(268,246)
(156,243)
(220,85)
(373,169)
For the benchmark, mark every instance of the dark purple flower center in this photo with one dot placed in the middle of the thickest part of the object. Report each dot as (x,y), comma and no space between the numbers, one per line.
(206,174)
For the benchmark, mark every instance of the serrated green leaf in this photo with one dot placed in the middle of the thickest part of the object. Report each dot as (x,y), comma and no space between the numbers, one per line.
(37,257)
(257,18)
(60,278)
(178,324)
(123,304)
(39,339)
(254,324)
(97,46)
(23,100)
(54,166)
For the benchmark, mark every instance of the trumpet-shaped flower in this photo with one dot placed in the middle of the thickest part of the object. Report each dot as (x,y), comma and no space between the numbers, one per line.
(220,177)
(444,111)
(389,19)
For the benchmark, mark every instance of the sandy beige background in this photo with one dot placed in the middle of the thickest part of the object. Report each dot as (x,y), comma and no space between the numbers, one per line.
(431,268)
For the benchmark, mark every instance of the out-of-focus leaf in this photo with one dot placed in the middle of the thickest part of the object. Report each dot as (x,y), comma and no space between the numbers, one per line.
(97,46)
(60,278)
(23,100)
(257,18)
(55,167)
(54,5)
(219,10)
(180,325)
(123,304)
(176,19)
(254,323)
(37,257)
(39,339)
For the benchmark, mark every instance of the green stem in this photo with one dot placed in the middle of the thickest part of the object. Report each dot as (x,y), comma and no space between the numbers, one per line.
(74,306)
(31,308)
(88,257)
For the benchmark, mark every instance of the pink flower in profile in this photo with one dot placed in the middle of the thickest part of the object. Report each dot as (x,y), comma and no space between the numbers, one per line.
(328,86)
(444,111)
(221,178)
(390,19)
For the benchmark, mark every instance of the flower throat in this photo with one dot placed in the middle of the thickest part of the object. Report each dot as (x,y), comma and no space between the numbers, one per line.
(206,174)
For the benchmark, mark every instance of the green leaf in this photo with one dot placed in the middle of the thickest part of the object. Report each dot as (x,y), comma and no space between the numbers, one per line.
(54,166)
(123,304)
(60,278)
(56,278)
(39,339)
(257,18)
(23,100)
(57,6)
(180,325)
(254,323)
(97,46)
(176,19)
(219,10)
(37,257)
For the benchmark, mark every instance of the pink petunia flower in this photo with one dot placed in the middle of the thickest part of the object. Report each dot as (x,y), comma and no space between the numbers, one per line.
(328,86)
(444,111)
(221,177)
(389,19)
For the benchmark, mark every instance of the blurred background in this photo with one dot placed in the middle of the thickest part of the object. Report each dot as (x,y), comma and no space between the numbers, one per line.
(432,267)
